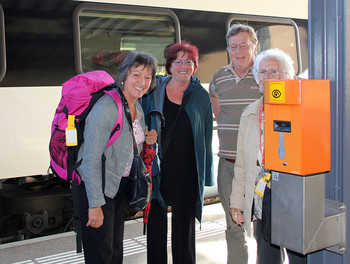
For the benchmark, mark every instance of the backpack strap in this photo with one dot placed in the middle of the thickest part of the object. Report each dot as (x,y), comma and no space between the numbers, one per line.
(118,124)
(76,216)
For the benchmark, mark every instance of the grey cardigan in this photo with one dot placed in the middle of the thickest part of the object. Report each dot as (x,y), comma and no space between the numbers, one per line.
(98,127)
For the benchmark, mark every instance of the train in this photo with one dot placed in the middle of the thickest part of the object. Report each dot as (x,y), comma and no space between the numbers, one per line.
(45,43)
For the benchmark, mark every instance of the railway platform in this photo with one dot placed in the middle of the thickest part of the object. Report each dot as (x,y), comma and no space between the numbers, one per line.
(55,249)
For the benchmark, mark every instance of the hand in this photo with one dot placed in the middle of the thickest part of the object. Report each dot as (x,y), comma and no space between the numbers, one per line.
(237,216)
(151,137)
(95,217)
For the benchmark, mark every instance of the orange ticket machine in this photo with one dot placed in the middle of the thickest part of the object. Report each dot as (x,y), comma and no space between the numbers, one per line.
(297,151)
(297,126)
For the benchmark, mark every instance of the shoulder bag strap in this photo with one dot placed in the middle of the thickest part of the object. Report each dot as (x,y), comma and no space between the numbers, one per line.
(128,116)
(171,129)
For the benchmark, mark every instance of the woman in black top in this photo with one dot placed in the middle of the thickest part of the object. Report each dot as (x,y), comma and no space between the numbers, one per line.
(186,156)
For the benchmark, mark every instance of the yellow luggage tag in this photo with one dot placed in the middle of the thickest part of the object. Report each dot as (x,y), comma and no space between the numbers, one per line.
(260,187)
(71,132)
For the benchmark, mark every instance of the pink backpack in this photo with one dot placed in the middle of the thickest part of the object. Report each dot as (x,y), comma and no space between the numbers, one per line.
(79,94)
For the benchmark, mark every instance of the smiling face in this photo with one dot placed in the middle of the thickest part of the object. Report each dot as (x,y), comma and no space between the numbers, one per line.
(242,52)
(182,71)
(268,68)
(137,82)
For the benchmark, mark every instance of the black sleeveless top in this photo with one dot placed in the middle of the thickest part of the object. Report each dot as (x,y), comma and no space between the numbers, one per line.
(179,182)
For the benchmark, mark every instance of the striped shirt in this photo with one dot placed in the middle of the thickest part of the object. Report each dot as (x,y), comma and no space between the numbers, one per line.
(234,95)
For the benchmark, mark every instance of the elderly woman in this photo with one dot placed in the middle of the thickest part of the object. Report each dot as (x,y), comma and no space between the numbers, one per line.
(186,156)
(102,192)
(269,64)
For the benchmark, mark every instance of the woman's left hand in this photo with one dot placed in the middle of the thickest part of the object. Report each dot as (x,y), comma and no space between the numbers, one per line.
(95,217)
(151,136)
(237,216)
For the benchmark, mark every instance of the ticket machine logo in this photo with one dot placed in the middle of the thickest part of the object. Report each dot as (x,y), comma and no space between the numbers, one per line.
(277,92)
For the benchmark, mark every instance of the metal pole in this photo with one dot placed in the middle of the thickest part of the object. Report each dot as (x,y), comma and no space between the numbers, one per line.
(328,53)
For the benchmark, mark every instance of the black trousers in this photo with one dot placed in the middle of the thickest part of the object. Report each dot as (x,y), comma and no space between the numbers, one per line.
(182,234)
(268,253)
(104,245)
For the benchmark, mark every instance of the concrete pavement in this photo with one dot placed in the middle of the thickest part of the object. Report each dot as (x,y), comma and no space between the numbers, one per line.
(210,244)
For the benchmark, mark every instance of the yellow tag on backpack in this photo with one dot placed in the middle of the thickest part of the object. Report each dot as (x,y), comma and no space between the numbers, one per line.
(71,132)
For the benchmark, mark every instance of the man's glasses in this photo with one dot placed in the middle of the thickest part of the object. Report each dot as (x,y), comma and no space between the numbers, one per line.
(242,46)
(273,72)
(185,62)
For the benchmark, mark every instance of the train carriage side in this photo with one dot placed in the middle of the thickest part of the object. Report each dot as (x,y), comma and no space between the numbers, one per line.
(42,44)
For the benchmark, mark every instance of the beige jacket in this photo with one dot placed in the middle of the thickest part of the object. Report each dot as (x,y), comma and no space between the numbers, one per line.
(246,169)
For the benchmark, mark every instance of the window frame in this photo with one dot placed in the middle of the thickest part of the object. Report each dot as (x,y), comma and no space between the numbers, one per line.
(273,20)
(119,9)
(2,45)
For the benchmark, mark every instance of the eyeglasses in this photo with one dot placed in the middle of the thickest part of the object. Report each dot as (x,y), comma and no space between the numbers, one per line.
(185,62)
(273,72)
(242,46)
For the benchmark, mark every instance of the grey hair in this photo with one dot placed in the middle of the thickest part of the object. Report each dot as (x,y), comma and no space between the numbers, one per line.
(135,59)
(283,58)
(238,28)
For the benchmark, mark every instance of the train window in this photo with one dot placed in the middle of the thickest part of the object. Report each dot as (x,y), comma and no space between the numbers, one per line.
(2,45)
(274,33)
(104,34)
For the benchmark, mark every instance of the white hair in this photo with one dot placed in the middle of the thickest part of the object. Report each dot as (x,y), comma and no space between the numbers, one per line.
(283,58)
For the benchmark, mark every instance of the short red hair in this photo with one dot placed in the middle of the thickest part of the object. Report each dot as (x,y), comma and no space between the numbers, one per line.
(186,47)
